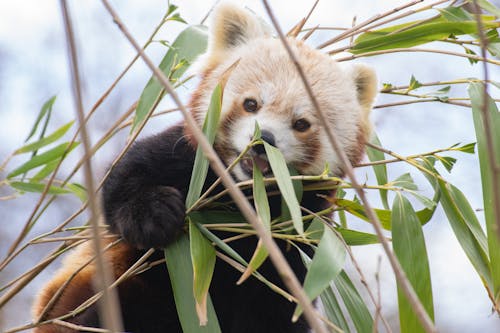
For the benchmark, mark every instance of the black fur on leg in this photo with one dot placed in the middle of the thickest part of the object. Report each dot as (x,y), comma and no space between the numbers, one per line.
(143,198)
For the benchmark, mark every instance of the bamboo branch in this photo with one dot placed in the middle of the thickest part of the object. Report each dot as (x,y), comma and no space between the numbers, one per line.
(109,308)
(415,49)
(349,32)
(407,288)
(422,100)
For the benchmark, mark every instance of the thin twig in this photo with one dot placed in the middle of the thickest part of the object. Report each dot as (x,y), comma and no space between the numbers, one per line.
(430,84)
(55,297)
(138,267)
(378,305)
(422,100)
(413,299)
(431,153)
(377,17)
(79,328)
(299,26)
(247,210)
(376,23)
(109,307)
(24,279)
(415,49)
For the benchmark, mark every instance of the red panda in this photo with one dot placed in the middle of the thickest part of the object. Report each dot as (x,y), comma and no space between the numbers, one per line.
(143,198)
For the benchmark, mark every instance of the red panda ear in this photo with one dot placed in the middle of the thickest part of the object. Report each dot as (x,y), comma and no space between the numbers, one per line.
(233,26)
(365,81)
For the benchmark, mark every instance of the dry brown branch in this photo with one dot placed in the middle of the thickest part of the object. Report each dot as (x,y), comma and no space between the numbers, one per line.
(407,288)
(299,26)
(78,327)
(109,308)
(416,49)
(422,100)
(378,305)
(138,267)
(430,84)
(61,289)
(21,281)
(248,212)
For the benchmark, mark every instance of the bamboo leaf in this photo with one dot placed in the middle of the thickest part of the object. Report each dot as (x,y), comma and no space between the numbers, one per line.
(329,301)
(409,246)
(262,207)
(259,256)
(55,153)
(415,33)
(203,258)
(190,43)
(414,84)
(354,237)
(488,177)
(489,7)
(260,197)
(455,14)
(384,215)
(229,251)
(201,250)
(358,210)
(280,171)
(200,168)
(37,188)
(379,170)
(467,229)
(447,161)
(180,270)
(78,190)
(218,216)
(333,310)
(46,140)
(45,171)
(467,148)
(354,304)
(405,181)
(328,260)
(44,112)
(351,237)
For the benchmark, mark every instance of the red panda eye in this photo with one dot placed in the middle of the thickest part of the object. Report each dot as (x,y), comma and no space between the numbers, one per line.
(250,105)
(301,125)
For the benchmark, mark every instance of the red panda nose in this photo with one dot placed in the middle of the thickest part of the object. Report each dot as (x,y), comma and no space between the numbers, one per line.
(267,137)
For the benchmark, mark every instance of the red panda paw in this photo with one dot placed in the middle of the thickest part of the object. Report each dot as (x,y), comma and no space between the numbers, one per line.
(154,219)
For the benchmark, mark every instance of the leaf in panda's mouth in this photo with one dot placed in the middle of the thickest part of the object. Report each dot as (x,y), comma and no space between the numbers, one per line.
(259,160)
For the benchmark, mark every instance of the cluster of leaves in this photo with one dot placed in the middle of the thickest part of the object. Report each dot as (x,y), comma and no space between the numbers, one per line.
(330,238)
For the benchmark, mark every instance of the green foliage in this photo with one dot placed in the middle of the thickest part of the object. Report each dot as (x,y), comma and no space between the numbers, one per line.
(485,110)
(409,246)
(202,251)
(328,260)
(190,43)
(449,23)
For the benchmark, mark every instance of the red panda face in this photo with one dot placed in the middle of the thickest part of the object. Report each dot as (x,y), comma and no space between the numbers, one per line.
(264,87)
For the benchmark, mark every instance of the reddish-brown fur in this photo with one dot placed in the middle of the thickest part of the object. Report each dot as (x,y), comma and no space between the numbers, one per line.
(80,287)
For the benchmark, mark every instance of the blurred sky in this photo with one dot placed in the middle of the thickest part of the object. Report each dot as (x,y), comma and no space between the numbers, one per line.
(33,67)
